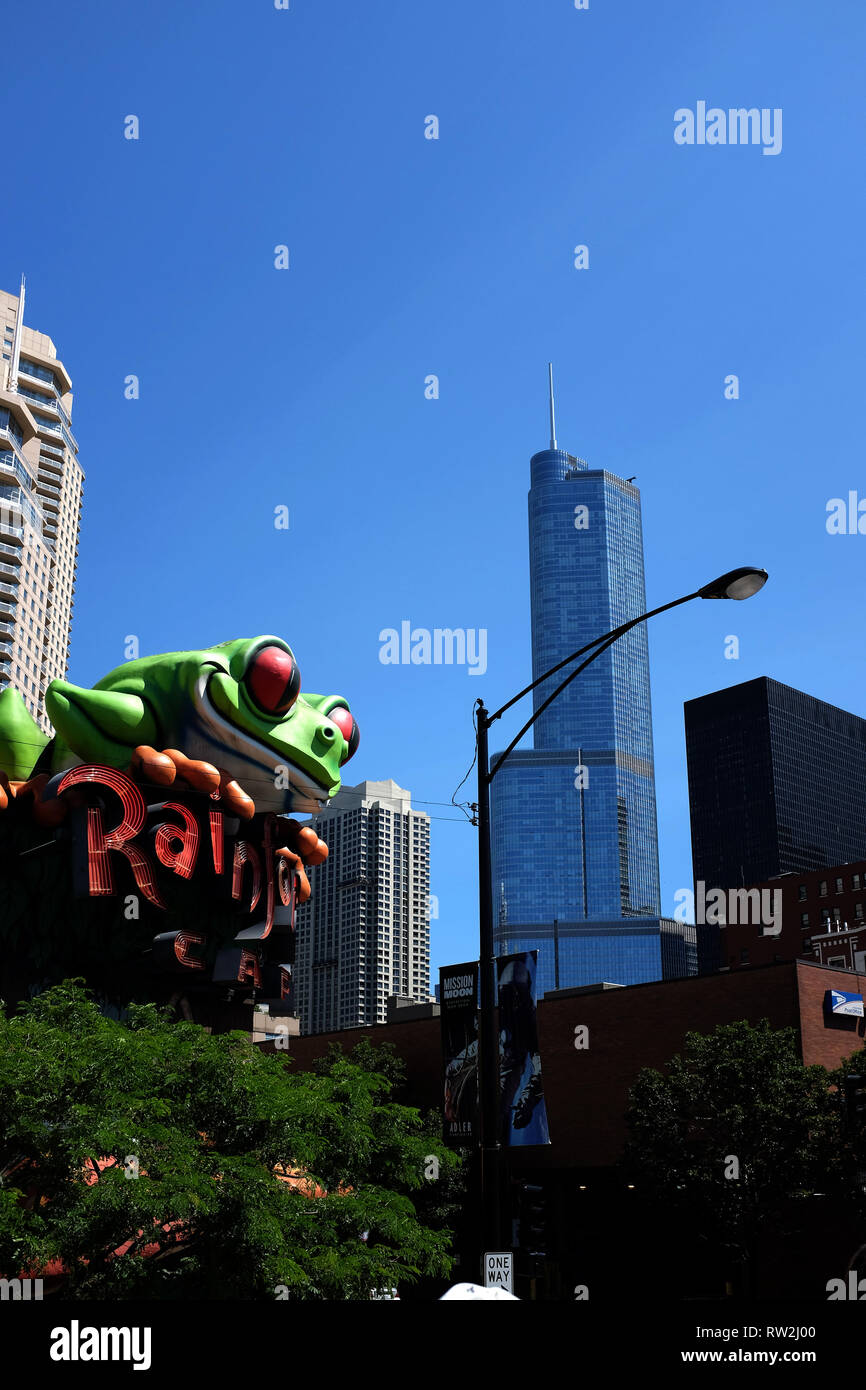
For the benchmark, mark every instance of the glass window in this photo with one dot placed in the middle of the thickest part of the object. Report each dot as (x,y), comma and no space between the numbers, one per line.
(822,888)
(801,892)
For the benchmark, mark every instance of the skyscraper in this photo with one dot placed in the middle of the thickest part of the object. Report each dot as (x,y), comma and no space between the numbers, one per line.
(776,783)
(365,933)
(574,818)
(40,509)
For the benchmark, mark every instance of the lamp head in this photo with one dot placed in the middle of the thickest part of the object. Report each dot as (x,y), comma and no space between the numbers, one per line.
(738,584)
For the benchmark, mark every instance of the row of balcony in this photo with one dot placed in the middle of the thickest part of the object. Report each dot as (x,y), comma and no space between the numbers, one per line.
(46,403)
(8,437)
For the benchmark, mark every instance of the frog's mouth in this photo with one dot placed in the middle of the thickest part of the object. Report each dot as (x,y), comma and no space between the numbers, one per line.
(250,761)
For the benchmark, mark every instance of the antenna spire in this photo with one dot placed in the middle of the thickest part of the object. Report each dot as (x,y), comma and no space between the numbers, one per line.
(552,419)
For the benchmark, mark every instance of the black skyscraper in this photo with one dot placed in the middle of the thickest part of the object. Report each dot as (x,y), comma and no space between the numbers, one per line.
(777,782)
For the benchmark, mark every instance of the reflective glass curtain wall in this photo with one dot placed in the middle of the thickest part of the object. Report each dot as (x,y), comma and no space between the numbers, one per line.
(574,819)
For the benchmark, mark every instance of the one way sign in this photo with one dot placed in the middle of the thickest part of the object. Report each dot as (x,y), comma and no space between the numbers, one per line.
(498,1270)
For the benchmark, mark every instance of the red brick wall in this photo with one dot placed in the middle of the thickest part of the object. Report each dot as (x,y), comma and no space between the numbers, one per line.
(643,1026)
(586,1091)
(418,1043)
(827,1039)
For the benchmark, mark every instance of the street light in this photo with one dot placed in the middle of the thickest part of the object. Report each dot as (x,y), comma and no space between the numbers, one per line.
(736,584)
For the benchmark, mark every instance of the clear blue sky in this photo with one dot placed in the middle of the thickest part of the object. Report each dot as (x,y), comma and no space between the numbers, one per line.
(410,256)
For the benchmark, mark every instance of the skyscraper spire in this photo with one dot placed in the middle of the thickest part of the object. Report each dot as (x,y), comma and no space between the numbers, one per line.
(552,420)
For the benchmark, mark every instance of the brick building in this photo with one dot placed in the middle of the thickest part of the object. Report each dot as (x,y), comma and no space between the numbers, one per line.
(813,905)
(598,1215)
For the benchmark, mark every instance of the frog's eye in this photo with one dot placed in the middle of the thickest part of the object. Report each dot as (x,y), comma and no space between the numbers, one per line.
(273,680)
(348,728)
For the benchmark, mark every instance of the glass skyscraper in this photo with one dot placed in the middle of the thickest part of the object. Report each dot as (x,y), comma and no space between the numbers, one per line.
(574,818)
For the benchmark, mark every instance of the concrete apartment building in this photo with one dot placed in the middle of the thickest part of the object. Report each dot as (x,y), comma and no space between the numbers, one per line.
(365,933)
(40,509)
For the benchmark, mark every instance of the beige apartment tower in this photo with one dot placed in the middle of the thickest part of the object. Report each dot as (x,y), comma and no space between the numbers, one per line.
(40,509)
(365,933)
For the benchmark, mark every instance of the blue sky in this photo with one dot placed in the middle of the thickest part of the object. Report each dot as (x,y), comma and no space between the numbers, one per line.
(305,387)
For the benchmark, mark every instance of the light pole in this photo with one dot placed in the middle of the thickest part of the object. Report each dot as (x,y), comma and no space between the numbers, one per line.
(736,584)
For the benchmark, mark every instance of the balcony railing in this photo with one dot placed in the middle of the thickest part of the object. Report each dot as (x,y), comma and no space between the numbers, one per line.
(10,464)
(44,402)
(7,435)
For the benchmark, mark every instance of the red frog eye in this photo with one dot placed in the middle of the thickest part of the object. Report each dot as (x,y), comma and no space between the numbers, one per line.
(348,728)
(273,680)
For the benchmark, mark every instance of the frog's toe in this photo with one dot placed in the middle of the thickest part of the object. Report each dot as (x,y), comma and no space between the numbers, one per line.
(235,797)
(304,839)
(201,776)
(296,864)
(153,766)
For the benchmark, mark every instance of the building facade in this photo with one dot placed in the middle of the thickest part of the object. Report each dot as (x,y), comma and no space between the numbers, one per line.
(595,1208)
(40,509)
(776,782)
(364,935)
(819,912)
(630,952)
(574,818)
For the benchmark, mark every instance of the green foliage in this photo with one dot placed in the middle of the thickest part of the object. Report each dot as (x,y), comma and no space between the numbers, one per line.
(208,1118)
(740,1092)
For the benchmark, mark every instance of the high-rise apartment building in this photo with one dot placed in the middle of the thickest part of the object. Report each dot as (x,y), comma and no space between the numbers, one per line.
(574,818)
(776,783)
(365,933)
(40,509)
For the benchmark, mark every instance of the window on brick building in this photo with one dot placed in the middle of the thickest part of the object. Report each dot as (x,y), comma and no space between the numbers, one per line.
(839,885)
(801,892)
(822,888)
(804,919)
(855,882)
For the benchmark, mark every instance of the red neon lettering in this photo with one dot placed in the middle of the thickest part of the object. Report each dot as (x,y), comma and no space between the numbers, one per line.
(246,854)
(248,968)
(183,941)
(270,825)
(216,840)
(100,841)
(181,860)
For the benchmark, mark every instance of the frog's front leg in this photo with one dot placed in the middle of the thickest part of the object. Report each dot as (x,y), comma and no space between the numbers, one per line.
(304,848)
(49,812)
(165,767)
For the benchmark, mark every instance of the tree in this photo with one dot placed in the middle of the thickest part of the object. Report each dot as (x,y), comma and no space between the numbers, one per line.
(88,1102)
(734,1131)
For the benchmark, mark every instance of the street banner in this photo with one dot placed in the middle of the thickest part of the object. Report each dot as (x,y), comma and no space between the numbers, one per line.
(458,1005)
(523,1114)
